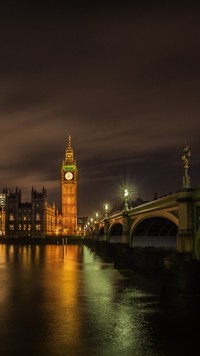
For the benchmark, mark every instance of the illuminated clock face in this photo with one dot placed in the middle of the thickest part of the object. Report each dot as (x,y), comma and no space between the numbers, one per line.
(68,176)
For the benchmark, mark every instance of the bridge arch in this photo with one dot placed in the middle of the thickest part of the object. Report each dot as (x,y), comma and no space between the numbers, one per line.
(155,230)
(115,232)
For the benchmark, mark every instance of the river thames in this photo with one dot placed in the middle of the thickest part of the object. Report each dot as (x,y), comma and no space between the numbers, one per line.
(57,300)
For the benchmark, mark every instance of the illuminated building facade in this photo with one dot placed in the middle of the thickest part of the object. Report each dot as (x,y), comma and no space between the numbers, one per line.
(69,175)
(35,218)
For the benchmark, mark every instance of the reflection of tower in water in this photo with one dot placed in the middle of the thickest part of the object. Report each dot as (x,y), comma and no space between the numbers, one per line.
(69,192)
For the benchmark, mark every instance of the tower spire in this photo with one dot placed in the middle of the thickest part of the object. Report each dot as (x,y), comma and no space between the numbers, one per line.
(69,156)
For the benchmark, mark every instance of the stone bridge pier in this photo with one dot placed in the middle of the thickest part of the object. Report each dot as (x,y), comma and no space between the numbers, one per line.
(181,285)
(185,241)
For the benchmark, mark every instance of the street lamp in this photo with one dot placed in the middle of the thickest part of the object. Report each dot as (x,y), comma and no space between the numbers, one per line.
(96,225)
(106,210)
(91,227)
(126,199)
(97,216)
(185,156)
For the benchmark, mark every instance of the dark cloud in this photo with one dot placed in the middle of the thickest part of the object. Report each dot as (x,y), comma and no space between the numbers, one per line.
(122,78)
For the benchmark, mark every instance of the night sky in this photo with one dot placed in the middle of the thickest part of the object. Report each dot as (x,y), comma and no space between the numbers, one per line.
(122,78)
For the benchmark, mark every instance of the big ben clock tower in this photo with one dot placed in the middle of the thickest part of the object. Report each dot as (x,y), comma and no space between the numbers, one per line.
(69,192)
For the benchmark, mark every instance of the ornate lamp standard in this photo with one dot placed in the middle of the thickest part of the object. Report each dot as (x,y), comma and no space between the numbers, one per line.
(126,199)
(105,238)
(88,228)
(91,227)
(96,226)
(185,156)
(106,211)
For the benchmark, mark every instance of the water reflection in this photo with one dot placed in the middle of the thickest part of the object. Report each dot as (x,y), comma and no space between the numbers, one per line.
(59,300)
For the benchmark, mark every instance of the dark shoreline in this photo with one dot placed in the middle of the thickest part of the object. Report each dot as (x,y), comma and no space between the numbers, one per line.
(52,240)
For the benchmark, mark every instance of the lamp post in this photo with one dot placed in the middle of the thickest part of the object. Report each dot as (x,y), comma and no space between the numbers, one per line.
(106,224)
(126,199)
(96,225)
(88,228)
(106,211)
(185,156)
(92,227)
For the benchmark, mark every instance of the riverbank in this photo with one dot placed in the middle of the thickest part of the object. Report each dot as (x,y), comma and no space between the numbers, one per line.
(51,240)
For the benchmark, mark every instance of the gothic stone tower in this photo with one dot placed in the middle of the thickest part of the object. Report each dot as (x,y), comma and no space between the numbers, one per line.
(69,192)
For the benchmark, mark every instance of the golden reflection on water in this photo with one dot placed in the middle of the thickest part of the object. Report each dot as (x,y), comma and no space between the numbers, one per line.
(58,289)
(63,300)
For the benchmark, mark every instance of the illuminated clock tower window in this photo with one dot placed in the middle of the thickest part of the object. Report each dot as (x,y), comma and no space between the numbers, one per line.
(69,192)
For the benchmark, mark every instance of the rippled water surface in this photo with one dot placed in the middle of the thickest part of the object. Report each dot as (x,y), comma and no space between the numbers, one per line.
(57,300)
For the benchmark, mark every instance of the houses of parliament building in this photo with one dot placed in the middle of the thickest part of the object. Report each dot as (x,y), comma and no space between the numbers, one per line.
(37,218)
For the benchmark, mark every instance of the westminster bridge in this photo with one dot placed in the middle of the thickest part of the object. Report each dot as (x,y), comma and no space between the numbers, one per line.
(169,222)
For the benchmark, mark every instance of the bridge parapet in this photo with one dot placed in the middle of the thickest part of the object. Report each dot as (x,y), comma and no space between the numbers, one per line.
(157,204)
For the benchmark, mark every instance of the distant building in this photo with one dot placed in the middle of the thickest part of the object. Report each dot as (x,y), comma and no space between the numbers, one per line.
(82,222)
(25,219)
